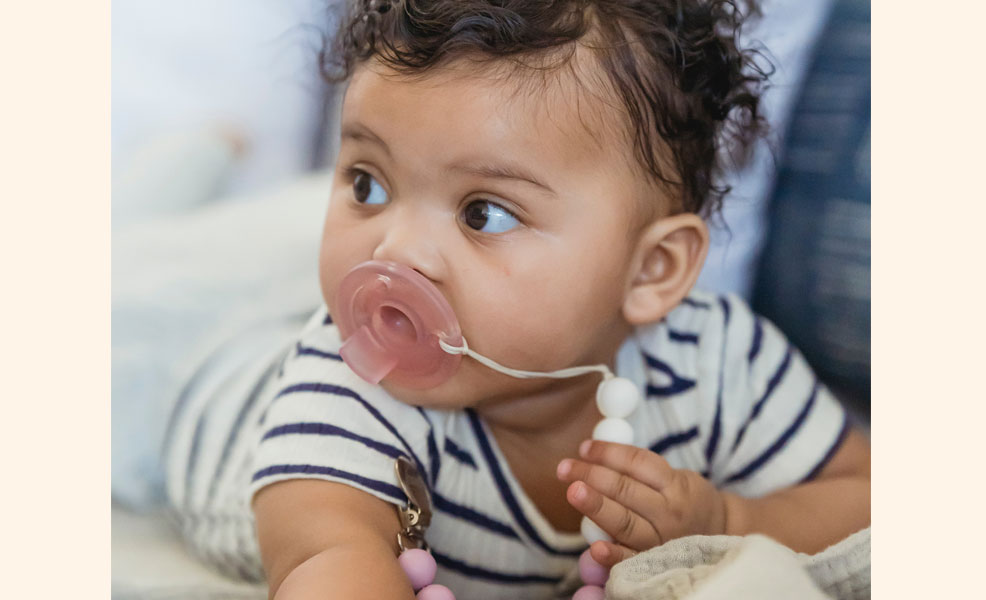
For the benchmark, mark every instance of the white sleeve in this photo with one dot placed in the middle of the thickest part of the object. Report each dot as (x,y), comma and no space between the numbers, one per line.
(324,422)
(777,424)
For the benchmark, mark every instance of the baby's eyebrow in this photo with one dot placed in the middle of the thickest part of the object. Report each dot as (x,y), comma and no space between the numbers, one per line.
(502,171)
(361,133)
(499,170)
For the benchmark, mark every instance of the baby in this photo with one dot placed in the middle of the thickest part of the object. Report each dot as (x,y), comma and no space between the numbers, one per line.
(546,166)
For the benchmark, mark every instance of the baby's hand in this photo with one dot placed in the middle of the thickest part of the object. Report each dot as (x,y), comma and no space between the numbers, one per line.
(637,498)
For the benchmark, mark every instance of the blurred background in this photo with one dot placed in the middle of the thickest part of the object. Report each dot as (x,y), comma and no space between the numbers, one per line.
(223,136)
(241,74)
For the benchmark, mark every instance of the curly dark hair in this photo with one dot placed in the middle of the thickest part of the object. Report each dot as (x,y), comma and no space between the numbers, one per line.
(686,86)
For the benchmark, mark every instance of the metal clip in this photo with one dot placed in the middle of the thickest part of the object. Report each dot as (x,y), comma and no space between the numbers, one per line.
(416,516)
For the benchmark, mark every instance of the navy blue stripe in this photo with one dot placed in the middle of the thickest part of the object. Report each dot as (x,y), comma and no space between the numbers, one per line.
(780,443)
(186,393)
(305,350)
(725,309)
(327,320)
(338,390)
(460,454)
(385,488)
(179,407)
(508,498)
(332,430)
(433,455)
(675,439)
(775,379)
(678,336)
(479,573)
(713,445)
(284,362)
(695,303)
(193,455)
(710,448)
(436,461)
(843,432)
(236,427)
(771,385)
(757,339)
(678,384)
(472,516)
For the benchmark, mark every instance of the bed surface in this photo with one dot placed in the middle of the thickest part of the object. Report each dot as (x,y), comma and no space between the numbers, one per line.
(150,562)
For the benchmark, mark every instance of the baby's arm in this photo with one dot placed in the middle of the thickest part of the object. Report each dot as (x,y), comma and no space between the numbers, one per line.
(813,515)
(320,539)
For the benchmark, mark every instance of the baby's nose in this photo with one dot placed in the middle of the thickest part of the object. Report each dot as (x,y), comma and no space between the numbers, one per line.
(414,245)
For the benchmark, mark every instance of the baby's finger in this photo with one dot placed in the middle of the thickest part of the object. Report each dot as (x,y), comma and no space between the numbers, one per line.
(608,554)
(641,464)
(624,525)
(629,492)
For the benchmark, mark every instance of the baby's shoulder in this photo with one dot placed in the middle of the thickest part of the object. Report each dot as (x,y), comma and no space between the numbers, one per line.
(314,365)
(319,412)
(702,320)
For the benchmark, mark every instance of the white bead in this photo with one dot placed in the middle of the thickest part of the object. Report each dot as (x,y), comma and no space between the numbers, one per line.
(592,532)
(613,430)
(617,397)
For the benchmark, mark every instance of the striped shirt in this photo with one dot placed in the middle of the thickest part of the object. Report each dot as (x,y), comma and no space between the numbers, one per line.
(725,395)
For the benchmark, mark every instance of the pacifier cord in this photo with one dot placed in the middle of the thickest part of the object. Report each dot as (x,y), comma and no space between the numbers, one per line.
(465,350)
(616,398)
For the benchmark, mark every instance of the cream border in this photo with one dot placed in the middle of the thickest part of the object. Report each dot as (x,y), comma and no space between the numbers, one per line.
(55,253)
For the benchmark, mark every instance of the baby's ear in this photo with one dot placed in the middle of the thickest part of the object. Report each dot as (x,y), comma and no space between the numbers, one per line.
(669,256)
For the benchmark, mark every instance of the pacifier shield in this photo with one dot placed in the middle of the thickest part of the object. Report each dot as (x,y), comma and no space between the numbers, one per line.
(391,318)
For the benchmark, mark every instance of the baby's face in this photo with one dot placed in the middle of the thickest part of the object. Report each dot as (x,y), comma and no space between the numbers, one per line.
(523,218)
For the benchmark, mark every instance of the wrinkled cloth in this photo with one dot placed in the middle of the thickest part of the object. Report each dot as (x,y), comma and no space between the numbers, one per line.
(743,568)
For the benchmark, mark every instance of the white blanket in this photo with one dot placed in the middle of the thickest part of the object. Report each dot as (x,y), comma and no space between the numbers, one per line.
(743,568)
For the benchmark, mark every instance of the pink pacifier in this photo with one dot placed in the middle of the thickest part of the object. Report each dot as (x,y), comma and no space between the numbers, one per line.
(392,318)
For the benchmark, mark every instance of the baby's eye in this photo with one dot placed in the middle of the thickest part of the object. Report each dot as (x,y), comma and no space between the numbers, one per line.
(367,190)
(485,216)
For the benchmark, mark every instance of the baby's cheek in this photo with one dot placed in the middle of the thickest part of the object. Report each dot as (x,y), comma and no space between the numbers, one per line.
(530,330)
(336,259)
(328,272)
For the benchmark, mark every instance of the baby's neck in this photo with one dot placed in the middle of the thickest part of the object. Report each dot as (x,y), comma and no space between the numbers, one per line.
(535,433)
(556,420)
(561,408)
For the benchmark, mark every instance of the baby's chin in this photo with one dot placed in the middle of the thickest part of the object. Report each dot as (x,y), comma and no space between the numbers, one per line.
(445,396)
(470,387)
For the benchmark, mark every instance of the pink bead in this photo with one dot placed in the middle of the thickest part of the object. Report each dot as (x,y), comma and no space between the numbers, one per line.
(419,566)
(589,592)
(592,572)
(435,592)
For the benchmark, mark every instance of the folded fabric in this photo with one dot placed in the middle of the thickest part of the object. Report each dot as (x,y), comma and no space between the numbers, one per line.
(743,568)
